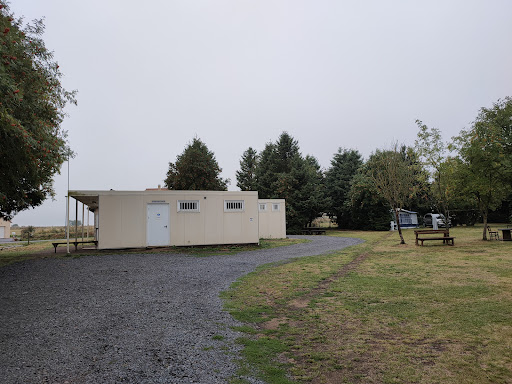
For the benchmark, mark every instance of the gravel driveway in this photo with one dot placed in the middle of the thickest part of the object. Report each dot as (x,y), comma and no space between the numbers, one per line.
(134,318)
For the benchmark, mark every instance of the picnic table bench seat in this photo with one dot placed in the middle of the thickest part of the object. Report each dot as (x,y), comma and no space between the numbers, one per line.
(313,231)
(441,235)
(75,243)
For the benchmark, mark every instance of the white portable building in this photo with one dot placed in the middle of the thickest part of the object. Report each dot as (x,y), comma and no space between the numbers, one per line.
(160,217)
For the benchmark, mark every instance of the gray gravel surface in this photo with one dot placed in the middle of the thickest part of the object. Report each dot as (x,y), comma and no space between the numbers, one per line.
(133,318)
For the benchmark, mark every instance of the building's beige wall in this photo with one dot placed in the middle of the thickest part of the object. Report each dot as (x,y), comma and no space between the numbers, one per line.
(214,220)
(122,218)
(121,221)
(272,224)
(237,224)
(7,228)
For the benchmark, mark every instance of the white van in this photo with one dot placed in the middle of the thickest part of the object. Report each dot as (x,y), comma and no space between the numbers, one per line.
(439,217)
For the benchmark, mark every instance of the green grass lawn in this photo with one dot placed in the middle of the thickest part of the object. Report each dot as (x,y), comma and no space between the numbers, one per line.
(381,312)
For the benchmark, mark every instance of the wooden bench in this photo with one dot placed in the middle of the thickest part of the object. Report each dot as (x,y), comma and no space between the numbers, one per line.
(75,243)
(313,231)
(424,233)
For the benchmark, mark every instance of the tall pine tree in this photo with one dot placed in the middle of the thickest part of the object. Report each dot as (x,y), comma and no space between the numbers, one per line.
(246,176)
(196,169)
(338,178)
(283,173)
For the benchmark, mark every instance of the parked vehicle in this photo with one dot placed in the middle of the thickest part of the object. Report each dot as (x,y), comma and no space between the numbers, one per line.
(439,217)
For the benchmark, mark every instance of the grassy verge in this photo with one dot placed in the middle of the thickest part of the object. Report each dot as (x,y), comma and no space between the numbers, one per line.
(20,251)
(382,312)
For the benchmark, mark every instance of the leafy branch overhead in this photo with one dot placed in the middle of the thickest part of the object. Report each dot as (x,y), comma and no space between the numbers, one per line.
(32,105)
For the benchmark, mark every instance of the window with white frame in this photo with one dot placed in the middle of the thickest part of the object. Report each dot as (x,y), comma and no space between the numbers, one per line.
(188,205)
(276,207)
(263,207)
(233,205)
(405,218)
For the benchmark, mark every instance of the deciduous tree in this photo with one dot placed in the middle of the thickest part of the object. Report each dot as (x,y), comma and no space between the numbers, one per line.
(438,166)
(483,169)
(395,178)
(32,142)
(27,233)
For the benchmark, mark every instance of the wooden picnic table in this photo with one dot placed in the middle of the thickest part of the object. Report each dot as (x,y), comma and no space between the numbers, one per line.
(75,243)
(313,231)
(425,234)
(506,235)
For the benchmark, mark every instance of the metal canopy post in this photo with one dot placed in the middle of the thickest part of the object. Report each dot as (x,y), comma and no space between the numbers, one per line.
(76,223)
(67,216)
(83,220)
(67,222)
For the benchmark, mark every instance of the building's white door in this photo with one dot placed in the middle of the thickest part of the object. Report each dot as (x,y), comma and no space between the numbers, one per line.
(2,232)
(158,226)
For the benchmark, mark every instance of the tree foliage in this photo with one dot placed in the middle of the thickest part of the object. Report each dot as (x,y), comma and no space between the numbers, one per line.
(395,177)
(344,166)
(309,195)
(195,169)
(484,165)
(498,119)
(27,233)
(438,166)
(246,176)
(33,144)
(368,209)
(283,173)
(266,174)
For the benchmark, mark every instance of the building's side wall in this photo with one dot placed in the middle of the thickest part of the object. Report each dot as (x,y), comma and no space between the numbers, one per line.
(123,219)
(6,228)
(272,224)
(240,224)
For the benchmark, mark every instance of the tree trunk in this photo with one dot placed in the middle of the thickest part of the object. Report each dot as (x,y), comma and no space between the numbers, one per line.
(397,218)
(484,216)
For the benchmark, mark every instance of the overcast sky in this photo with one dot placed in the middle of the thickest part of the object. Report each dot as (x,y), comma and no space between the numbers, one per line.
(151,75)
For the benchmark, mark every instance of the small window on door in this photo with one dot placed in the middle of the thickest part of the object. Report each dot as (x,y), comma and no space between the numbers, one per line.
(276,207)
(263,207)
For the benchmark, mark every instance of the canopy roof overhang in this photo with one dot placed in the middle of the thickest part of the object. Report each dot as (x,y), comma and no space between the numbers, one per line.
(89,198)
